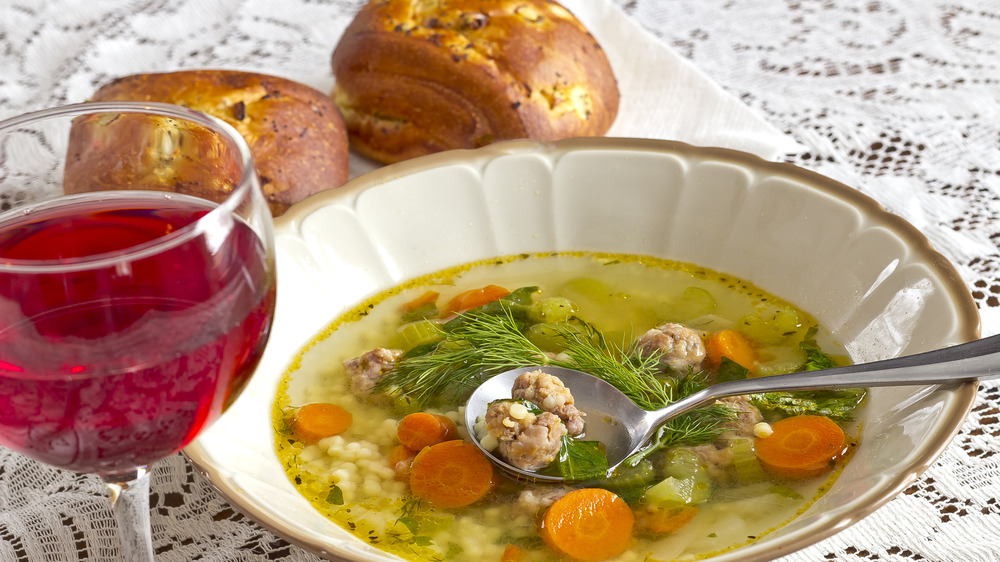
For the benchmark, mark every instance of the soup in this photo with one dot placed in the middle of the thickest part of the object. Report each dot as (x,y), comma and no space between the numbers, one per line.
(369,420)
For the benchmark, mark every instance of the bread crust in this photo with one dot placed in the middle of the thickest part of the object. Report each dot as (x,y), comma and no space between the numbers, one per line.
(296,134)
(421,76)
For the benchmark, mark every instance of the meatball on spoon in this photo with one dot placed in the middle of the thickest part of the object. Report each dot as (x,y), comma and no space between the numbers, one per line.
(623,428)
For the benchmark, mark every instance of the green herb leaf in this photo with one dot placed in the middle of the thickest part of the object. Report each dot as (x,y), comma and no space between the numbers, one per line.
(336,496)
(838,405)
(454,551)
(429,310)
(410,523)
(526,403)
(730,370)
(421,349)
(581,460)
(815,358)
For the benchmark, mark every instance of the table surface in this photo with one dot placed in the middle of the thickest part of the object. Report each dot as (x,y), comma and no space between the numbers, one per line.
(898,98)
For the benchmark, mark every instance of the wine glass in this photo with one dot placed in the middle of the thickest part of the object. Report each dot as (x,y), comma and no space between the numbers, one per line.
(137,288)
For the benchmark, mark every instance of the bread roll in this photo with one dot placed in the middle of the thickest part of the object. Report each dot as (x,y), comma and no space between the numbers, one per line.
(420,76)
(296,134)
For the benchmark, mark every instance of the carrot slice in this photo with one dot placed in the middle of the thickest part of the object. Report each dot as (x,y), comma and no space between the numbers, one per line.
(401,460)
(513,553)
(426,298)
(801,446)
(451,474)
(474,298)
(588,524)
(315,421)
(732,345)
(421,429)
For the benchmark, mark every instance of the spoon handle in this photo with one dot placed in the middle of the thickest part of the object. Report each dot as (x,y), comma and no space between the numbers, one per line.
(979,359)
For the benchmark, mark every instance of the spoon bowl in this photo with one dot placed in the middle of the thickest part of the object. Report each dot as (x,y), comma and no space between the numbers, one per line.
(610,415)
(624,428)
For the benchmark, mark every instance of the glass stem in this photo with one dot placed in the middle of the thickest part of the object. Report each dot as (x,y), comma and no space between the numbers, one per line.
(129,493)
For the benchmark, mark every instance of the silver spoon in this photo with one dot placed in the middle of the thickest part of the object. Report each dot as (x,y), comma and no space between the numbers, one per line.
(614,420)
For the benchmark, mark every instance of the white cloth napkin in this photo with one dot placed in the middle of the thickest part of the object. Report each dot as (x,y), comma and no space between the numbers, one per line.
(664,96)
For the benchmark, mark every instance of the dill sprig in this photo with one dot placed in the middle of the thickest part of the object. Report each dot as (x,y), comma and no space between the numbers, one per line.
(621,366)
(692,428)
(474,350)
(635,374)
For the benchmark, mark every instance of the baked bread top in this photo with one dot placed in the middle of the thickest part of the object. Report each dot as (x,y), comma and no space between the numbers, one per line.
(295,133)
(420,76)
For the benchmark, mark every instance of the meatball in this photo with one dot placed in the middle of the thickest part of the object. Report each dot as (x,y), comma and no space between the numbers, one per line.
(551,395)
(717,457)
(681,347)
(747,416)
(366,370)
(526,441)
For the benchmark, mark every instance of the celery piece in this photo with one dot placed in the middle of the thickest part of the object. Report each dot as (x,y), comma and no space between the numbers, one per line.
(546,336)
(684,465)
(770,324)
(552,309)
(701,300)
(670,492)
(638,475)
(780,359)
(630,482)
(416,333)
(676,492)
(680,463)
(590,288)
(785,320)
(702,488)
(745,463)
(695,302)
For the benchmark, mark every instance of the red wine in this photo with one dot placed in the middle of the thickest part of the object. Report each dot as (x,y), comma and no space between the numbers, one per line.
(126,353)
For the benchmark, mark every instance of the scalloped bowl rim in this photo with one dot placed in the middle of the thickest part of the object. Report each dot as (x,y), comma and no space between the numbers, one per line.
(224,472)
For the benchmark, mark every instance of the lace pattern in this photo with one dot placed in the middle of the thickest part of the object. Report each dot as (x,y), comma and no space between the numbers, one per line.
(900,99)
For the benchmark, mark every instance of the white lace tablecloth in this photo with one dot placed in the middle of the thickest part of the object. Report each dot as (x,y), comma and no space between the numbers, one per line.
(899,98)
